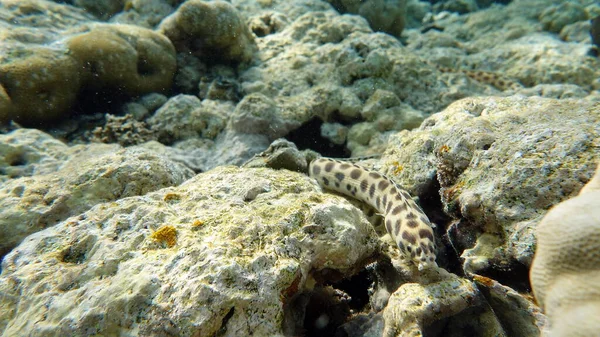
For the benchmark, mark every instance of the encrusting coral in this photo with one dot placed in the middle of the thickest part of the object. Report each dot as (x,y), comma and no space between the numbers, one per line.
(565,274)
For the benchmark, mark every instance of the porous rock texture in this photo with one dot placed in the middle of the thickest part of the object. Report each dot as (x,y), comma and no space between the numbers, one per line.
(513,41)
(499,164)
(410,308)
(239,245)
(565,273)
(406,302)
(47,60)
(199,134)
(382,15)
(333,67)
(322,66)
(45,181)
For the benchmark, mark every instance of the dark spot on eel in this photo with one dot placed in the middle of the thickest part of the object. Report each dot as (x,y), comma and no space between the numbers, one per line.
(409,237)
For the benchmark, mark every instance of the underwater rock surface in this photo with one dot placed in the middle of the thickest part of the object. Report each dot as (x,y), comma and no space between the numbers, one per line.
(240,244)
(498,165)
(52,181)
(45,63)
(158,236)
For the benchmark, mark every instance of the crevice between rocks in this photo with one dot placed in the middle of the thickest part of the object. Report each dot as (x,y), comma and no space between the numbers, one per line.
(308,136)
(333,302)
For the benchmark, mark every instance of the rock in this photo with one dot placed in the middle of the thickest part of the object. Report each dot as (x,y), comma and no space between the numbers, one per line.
(103,9)
(362,326)
(500,167)
(258,114)
(125,131)
(565,274)
(228,259)
(458,6)
(28,152)
(383,16)
(57,181)
(328,66)
(506,40)
(185,116)
(556,17)
(517,313)
(214,30)
(133,59)
(282,154)
(144,13)
(336,133)
(414,309)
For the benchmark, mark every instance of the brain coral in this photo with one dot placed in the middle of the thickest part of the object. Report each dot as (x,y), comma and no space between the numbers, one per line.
(135,59)
(39,86)
(41,82)
(211,29)
(565,273)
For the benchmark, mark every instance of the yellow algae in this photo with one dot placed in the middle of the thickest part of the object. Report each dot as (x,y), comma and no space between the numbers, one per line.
(443,149)
(172,197)
(397,167)
(166,234)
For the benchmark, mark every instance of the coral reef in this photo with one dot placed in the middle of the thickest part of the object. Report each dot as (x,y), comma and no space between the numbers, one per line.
(124,130)
(52,181)
(231,274)
(213,30)
(41,78)
(128,58)
(565,273)
(382,15)
(179,242)
(499,166)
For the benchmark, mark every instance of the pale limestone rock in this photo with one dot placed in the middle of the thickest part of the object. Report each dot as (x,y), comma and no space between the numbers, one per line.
(414,307)
(243,243)
(508,41)
(500,163)
(185,116)
(56,181)
(328,66)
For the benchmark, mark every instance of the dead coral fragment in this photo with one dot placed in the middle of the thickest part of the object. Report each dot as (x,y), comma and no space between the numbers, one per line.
(166,234)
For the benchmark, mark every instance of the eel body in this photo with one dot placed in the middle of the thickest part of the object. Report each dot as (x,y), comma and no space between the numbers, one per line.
(408,226)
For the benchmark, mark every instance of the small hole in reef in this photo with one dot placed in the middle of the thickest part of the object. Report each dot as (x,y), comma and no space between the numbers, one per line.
(16,160)
(144,68)
(74,255)
(325,312)
(226,319)
(513,274)
(308,136)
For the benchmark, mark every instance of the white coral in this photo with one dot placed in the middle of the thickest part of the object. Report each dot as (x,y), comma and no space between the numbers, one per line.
(565,274)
